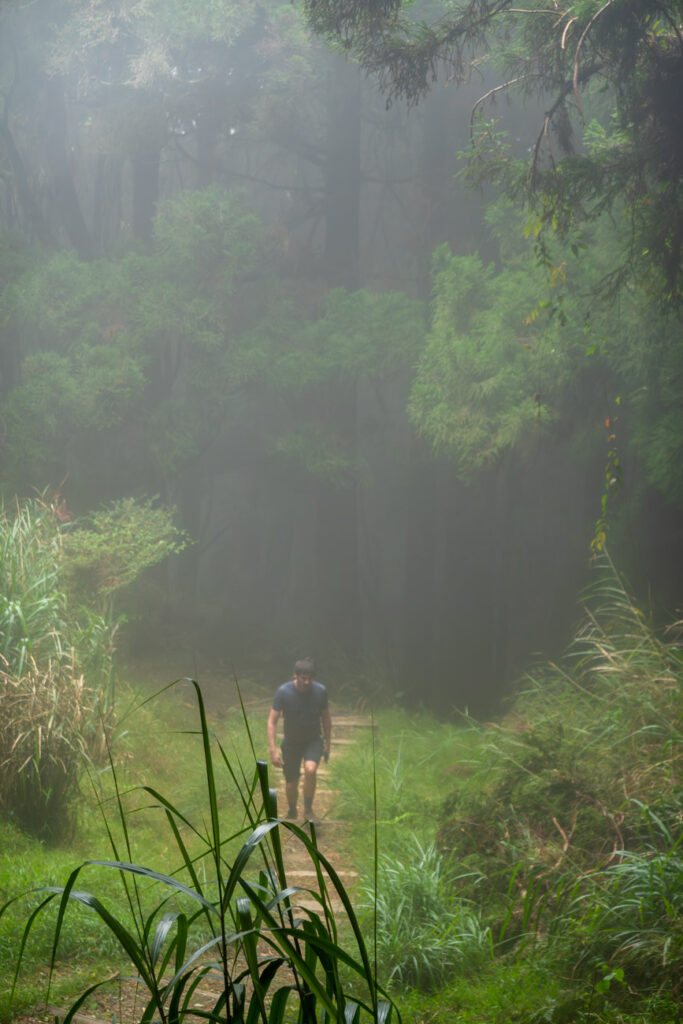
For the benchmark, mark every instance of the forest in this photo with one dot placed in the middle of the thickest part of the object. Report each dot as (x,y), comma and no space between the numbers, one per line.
(351,328)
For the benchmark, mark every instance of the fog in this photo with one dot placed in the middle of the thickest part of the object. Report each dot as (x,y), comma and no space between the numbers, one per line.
(239,385)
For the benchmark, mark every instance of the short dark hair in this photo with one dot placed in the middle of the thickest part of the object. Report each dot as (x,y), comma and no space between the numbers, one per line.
(304,667)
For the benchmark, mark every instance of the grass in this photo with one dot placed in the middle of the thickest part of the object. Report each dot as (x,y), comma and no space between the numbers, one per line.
(153,744)
(558,829)
(549,840)
(275,959)
(54,665)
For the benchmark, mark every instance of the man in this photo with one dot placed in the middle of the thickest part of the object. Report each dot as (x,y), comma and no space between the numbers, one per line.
(303,702)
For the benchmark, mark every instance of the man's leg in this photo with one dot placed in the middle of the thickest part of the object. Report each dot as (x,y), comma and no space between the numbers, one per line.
(310,779)
(292,791)
(291,758)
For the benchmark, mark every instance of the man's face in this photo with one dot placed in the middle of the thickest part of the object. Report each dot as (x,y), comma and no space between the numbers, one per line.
(302,681)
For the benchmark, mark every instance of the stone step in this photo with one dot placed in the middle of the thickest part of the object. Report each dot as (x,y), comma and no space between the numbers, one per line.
(78,1018)
(353,722)
(311,873)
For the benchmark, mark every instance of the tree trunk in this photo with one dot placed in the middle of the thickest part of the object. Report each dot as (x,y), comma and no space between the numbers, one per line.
(337,507)
(145,181)
(342,174)
(59,162)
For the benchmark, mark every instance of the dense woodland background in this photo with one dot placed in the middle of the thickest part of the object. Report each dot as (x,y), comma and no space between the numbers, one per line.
(386,415)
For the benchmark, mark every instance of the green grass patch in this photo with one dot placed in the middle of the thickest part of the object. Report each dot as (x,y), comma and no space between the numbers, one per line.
(158,744)
(555,832)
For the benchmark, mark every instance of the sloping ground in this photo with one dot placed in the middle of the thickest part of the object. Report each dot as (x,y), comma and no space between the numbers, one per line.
(122,999)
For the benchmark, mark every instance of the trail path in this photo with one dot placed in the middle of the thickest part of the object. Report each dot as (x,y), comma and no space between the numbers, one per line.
(123,999)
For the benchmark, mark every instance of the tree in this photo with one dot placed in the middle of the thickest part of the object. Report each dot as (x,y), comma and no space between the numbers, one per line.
(497,376)
(629,156)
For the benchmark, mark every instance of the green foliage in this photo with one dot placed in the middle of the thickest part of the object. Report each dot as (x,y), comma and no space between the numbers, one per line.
(54,667)
(164,352)
(491,373)
(108,549)
(511,360)
(57,663)
(51,725)
(359,334)
(633,914)
(219,917)
(558,830)
(425,934)
(91,388)
(631,161)
(32,606)
(574,835)
(139,345)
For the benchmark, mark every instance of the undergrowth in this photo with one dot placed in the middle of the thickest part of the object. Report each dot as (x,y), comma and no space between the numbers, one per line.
(558,830)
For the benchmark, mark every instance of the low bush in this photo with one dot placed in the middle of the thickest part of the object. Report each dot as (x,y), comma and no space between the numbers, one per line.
(229,915)
(573,827)
(50,726)
(424,932)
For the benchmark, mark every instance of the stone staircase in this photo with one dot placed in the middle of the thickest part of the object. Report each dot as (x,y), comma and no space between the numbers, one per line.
(123,1000)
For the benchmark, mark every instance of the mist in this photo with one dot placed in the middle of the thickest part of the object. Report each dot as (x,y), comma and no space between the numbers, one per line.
(219,287)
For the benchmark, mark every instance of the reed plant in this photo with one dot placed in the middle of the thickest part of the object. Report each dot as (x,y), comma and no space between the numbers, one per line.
(575,833)
(33,612)
(50,724)
(54,664)
(272,951)
(425,932)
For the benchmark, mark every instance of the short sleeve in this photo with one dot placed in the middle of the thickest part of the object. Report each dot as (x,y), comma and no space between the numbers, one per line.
(278,700)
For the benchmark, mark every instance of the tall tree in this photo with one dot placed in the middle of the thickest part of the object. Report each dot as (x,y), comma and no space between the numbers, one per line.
(630,162)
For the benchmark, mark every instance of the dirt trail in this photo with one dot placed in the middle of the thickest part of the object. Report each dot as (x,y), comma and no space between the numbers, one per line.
(328,827)
(123,999)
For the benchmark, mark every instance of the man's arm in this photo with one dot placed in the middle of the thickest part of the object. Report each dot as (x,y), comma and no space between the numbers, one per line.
(326,719)
(275,756)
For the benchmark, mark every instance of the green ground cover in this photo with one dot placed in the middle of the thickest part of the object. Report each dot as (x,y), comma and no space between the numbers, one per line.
(528,869)
(531,869)
(156,744)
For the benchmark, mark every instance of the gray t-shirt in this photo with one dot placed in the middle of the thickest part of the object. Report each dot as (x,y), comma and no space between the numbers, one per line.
(301,711)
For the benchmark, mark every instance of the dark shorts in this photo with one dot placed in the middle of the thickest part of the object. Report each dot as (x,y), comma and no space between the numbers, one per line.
(294,753)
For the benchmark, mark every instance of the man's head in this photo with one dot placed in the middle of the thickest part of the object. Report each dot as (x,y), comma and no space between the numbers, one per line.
(304,669)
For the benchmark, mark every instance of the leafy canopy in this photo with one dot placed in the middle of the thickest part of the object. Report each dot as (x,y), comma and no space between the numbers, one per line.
(495,375)
(610,75)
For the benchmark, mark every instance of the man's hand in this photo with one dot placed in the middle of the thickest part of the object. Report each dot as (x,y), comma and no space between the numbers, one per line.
(326,750)
(275,755)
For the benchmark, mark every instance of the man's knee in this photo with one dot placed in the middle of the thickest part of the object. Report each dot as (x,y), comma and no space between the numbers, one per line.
(310,768)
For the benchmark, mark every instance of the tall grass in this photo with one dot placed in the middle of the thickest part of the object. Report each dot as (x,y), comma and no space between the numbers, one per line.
(556,827)
(50,725)
(53,664)
(425,933)
(229,915)
(32,604)
(576,832)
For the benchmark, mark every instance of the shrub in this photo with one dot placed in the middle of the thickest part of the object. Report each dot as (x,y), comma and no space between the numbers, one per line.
(575,823)
(32,604)
(50,723)
(424,932)
(53,668)
(234,920)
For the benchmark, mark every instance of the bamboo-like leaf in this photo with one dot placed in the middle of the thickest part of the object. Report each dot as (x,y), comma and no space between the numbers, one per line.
(278,1004)
(155,876)
(118,930)
(210,776)
(24,937)
(73,1010)
(161,933)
